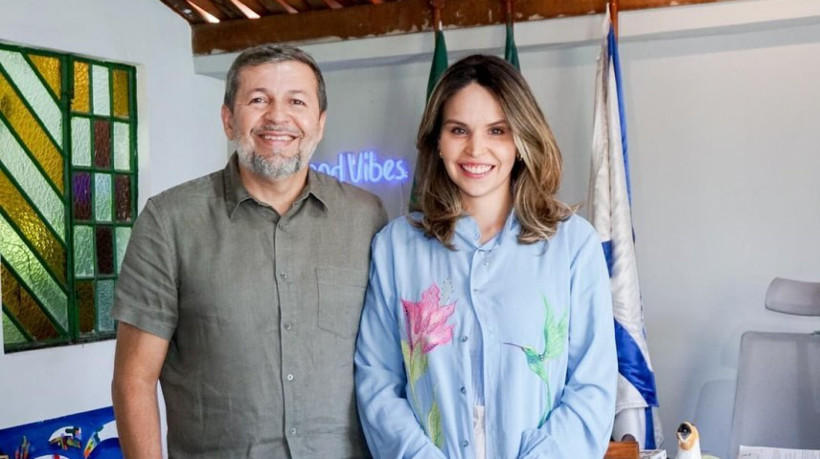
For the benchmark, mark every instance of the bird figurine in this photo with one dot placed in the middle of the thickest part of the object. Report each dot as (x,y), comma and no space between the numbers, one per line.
(689,442)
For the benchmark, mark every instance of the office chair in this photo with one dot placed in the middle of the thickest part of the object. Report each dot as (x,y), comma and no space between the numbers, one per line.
(777,399)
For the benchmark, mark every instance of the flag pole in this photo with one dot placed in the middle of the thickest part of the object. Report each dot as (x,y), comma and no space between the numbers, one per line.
(510,50)
(437,6)
(613,15)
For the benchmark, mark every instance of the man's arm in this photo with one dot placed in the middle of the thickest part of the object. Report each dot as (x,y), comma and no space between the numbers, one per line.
(137,364)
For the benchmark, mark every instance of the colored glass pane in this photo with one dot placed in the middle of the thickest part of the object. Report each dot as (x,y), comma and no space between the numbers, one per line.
(105,300)
(82,96)
(102,197)
(81,141)
(105,251)
(25,309)
(32,181)
(11,334)
(32,135)
(102,144)
(83,251)
(84,295)
(31,228)
(49,68)
(123,235)
(100,90)
(82,195)
(120,79)
(32,273)
(34,92)
(122,187)
(122,146)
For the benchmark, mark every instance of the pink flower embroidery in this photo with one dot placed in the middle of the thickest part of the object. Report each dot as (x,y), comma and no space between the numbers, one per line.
(427,321)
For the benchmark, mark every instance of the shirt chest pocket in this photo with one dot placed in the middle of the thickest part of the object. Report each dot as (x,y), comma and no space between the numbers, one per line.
(341,296)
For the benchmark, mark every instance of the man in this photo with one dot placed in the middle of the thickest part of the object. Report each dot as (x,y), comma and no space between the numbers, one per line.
(241,291)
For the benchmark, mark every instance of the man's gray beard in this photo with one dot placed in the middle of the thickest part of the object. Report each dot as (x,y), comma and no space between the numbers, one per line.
(274,167)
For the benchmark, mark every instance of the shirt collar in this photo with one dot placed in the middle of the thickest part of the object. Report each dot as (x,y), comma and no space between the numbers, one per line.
(468,233)
(236,193)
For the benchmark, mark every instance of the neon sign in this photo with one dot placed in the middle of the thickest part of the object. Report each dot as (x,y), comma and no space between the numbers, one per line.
(364,167)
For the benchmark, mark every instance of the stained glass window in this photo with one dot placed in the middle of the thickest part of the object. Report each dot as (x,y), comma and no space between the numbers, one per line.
(68,191)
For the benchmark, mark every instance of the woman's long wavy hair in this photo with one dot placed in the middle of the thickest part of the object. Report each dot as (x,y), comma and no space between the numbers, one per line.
(535,177)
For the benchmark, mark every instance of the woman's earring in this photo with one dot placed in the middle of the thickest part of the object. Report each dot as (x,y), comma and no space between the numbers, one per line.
(518,157)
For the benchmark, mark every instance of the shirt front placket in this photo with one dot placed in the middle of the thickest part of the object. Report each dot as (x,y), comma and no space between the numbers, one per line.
(288,281)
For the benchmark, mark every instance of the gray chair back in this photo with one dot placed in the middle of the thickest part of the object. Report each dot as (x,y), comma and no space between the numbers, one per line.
(777,398)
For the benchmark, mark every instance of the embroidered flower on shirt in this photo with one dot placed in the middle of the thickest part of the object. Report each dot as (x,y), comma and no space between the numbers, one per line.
(427,321)
(427,328)
(555,335)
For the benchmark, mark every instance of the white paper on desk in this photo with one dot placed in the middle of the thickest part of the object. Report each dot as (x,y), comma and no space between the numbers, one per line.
(653,454)
(759,452)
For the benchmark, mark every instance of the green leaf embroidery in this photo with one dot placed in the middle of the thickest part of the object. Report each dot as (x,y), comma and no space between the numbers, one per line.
(434,424)
(414,362)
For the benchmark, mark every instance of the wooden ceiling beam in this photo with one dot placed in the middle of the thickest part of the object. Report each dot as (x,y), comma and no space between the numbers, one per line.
(391,18)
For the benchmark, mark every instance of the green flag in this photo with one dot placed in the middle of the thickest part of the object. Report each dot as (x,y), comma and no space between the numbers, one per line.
(438,67)
(510,51)
(439,62)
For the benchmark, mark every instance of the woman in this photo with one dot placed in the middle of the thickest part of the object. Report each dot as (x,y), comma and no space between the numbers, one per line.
(487,329)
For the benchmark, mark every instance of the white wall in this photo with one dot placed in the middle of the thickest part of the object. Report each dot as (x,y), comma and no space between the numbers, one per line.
(180,137)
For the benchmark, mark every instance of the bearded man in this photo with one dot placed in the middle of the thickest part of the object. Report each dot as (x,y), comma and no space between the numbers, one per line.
(241,291)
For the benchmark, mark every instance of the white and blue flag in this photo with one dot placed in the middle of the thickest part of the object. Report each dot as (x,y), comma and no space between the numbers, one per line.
(610,201)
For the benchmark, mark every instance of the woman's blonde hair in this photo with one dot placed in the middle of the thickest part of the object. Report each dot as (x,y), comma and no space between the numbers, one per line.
(535,177)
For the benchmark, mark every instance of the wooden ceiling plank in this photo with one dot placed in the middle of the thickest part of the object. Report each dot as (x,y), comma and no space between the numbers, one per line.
(211,8)
(288,7)
(300,5)
(256,6)
(229,9)
(391,18)
(182,8)
(273,7)
(333,4)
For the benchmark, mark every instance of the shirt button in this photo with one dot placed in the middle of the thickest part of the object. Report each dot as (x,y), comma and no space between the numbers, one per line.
(464,339)
(290,377)
(283,275)
(288,326)
(476,290)
(463,390)
(465,444)
(293,431)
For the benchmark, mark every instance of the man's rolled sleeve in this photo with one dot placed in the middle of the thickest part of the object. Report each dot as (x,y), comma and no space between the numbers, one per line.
(146,293)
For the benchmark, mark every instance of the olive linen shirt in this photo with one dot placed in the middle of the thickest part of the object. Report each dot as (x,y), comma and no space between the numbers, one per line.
(261,313)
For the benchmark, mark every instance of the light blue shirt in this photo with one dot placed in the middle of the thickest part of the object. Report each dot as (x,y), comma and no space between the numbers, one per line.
(543,316)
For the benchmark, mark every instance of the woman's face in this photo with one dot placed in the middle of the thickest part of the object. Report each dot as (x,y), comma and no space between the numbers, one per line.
(477,147)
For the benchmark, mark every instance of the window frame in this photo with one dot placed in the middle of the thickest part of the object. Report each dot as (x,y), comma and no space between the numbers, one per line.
(78,330)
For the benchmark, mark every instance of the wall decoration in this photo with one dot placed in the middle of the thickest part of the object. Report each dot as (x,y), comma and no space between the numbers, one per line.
(365,167)
(88,435)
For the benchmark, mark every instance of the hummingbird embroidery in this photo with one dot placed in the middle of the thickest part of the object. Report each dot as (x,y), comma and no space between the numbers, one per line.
(555,335)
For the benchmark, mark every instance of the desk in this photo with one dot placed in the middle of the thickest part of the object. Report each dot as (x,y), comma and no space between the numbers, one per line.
(622,450)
